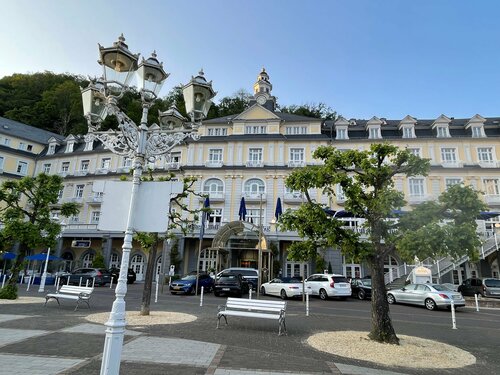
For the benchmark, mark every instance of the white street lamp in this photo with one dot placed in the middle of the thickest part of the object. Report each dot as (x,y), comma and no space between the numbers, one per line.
(140,142)
(41,288)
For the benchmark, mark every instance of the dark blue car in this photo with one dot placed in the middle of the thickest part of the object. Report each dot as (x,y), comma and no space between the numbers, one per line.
(187,284)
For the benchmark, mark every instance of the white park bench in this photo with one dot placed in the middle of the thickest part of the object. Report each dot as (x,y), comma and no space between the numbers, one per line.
(254,308)
(76,293)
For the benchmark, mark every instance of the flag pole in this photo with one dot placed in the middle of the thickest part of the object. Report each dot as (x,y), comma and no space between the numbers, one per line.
(259,280)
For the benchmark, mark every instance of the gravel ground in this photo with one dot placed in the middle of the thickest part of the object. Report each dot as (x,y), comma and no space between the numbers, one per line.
(155,317)
(22,300)
(416,352)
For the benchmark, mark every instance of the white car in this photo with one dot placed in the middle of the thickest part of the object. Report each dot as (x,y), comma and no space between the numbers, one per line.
(284,287)
(329,285)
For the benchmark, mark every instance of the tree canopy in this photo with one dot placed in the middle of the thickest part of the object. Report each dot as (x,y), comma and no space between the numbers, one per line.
(366,180)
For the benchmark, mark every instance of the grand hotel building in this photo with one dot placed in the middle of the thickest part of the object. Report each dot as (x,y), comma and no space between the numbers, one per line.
(250,155)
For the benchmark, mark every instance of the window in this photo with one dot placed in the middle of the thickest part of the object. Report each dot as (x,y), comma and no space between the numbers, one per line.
(84,165)
(485,154)
(416,187)
(175,157)
(442,132)
(294,130)
(254,186)
(52,149)
(340,193)
(491,186)
(1,162)
(61,193)
(46,168)
(254,215)
(290,193)
(74,219)
(255,129)
(22,168)
(477,132)
(105,163)
(448,155)
(95,216)
(79,191)
(6,141)
(22,146)
(213,186)
(415,151)
(297,155)
(114,261)
(452,181)
(255,157)
(374,133)
(215,217)
(341,134)
(127,162)
(65,167)
(215,155)
(217,131)
(29,148)
(408,133)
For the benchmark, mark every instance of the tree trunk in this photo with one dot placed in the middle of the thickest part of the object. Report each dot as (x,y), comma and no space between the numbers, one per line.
(148,280)
(382,329)
(17,264)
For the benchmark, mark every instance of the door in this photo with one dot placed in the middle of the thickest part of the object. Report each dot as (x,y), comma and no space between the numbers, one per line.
(137,264)
(295,269)
(352,271)
(418,296)
(407,296)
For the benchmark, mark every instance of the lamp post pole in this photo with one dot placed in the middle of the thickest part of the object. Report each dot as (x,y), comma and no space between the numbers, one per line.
(142,143)
(43,279)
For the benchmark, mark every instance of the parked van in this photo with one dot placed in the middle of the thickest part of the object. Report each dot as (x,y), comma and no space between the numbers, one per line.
(487,287)
(249,274)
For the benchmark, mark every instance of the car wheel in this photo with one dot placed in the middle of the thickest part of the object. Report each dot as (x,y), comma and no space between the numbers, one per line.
(263,291)
(391,299)
(283,294)
(361,294)
(322,294)
(189,291)
(217,294)
(430,304)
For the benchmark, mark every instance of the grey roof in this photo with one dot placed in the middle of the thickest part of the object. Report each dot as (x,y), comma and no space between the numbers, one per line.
(284,116)
(28,132)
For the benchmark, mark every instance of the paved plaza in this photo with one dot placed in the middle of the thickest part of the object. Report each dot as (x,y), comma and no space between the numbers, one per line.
(56,340)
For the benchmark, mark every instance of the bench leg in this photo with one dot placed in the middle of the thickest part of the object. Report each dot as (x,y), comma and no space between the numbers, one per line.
(47,300)
(282,327)
(218,319)
(77,304)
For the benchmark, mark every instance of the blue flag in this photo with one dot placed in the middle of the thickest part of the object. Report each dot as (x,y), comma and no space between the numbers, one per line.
(243,209)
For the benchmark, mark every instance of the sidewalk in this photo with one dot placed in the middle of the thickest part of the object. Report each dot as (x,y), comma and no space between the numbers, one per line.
(39,341)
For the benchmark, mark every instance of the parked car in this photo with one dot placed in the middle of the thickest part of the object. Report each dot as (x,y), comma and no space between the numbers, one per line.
(249,274)
(361,288)
(187,284)
(115,273)
(432,296)
(284,287)
(487,287)
(100,275)
(329,285)
(230,284)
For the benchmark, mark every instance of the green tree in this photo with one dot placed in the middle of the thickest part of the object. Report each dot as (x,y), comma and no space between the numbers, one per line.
(366,178)
(25,211)
(319,110)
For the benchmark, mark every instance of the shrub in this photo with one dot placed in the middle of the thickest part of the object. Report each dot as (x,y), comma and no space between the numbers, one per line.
(8,292)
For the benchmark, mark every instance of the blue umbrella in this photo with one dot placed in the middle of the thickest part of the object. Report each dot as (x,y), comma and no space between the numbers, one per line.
(243,209)
(42,256)
(279,209)
(8,256)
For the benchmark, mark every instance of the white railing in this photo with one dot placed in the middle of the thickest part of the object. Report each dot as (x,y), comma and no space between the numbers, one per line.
(173,165)
(296,164)
(254,163)
(213,164)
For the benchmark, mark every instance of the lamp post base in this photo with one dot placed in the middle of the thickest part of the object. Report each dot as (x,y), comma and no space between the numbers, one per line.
(113,343)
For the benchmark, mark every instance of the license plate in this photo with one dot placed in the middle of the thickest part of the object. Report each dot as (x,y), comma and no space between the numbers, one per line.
(177,287)
(342,285)
(226,289)
(456,297)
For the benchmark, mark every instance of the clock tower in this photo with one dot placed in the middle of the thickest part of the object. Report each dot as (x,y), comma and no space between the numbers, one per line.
(262,92)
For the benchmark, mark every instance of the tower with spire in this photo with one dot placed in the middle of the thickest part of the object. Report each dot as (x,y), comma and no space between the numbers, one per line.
(262,92)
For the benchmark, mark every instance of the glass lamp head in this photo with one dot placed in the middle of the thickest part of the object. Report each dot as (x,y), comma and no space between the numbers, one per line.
(94,106)
(150,77)
(197,96)
(171,120)
(118,63)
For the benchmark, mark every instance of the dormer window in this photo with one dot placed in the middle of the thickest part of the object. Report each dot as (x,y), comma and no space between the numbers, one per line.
(442,132)
(374,133)
(69,146)
(408,132)
(341,133)
(477,132)
(52,149)
(89,145)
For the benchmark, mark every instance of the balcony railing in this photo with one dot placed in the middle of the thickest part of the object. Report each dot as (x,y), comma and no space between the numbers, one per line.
(213,164)
(250,196)
(214,196)
(254,163)
(492,199)
(295,197)
(173,165)
(82,172)
(296,164)
(102,171)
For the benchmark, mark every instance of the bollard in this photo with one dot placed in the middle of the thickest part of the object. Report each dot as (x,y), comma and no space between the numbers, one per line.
(156,294)
(57,282)
(111,283)
(80,284)
(477,302)
(93,282)
(29,283)
(250,293)
(3,280)
(68,281)
(307,304)
(87,283)
(453,320)
(201,296)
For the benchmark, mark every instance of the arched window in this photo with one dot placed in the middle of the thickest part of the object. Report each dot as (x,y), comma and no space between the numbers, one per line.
(213,185)
(87,260)
(114,261)
(137,264)
(255,186)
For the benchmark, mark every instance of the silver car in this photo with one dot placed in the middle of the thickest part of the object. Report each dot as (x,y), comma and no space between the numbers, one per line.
(432,296)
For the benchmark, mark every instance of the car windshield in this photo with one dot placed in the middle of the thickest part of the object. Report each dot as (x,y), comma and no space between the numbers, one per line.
(366,282)
(339,279)
(492,283)
(228,278)
(189,277)
(290,280)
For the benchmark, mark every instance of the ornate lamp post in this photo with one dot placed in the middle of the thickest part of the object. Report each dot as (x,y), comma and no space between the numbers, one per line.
(140,142)
(41,288)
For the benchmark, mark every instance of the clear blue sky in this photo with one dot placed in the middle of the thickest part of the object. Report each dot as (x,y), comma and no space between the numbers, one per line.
(363,58)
